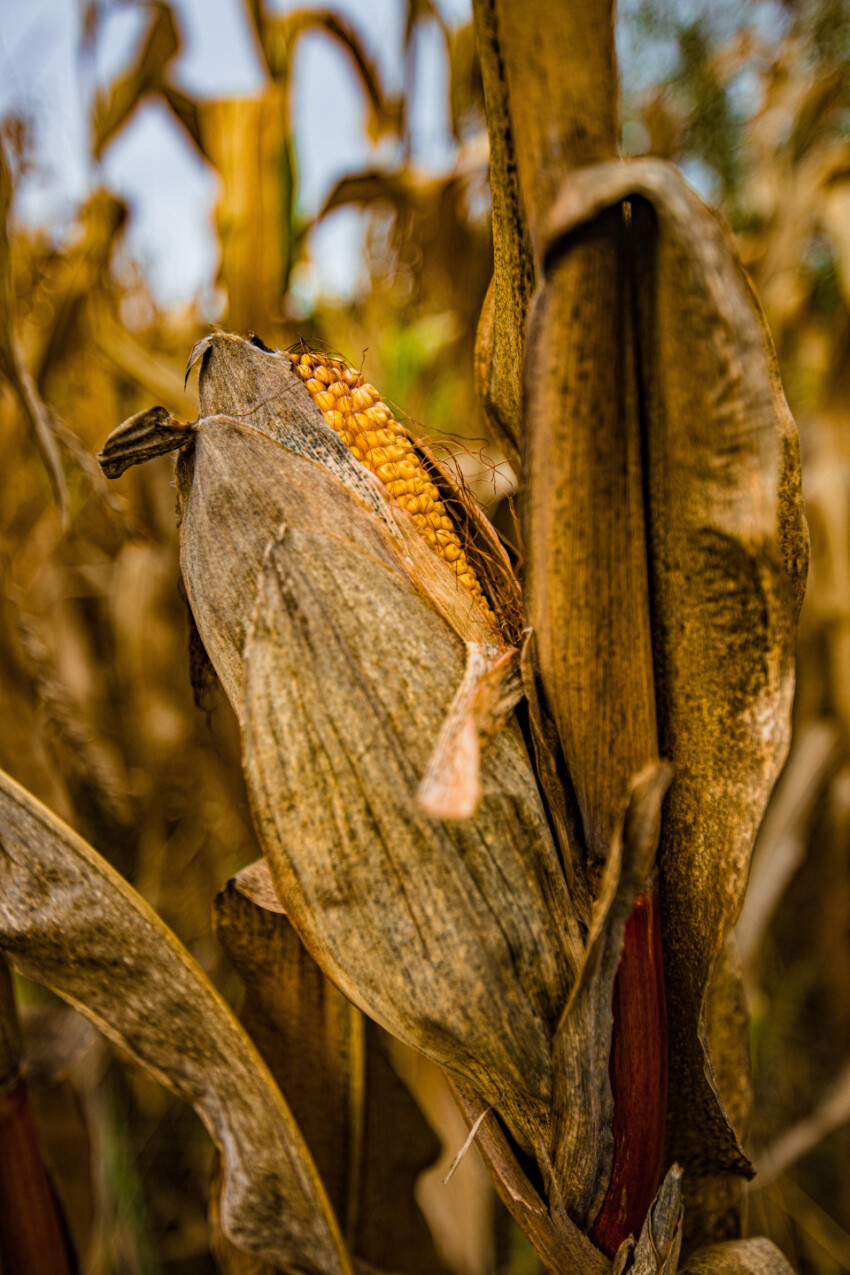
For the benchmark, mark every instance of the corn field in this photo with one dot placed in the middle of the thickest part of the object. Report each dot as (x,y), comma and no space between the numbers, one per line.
(425,763)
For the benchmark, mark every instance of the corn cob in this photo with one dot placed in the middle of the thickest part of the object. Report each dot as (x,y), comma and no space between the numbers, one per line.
(368,428)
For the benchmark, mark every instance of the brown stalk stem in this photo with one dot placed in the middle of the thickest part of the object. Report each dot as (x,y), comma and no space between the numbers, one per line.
(33,1240)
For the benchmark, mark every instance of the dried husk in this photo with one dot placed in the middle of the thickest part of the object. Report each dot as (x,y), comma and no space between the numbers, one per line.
(581,1137)
(726,548)
(68,921)
(460,939)
(365,1132)
(660,1241)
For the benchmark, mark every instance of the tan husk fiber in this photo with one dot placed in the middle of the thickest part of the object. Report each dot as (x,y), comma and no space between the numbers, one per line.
(69,921)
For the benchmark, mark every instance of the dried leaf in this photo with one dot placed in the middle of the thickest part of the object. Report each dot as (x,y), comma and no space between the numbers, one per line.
(739,1257)
(13,366)
(582,1142)
(368,688)
(114,106)
(660,1241)
(558,1242)
(69,921)
(727,549)
(279,34)
(365,1133)
(714,1204)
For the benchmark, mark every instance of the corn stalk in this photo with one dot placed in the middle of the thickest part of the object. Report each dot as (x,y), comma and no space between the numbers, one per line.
(507,820)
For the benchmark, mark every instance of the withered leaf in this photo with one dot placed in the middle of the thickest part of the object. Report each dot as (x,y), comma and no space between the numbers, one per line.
(660,1241)
(581,1140)
(558,1242)
(739,1257)
(458,938)
(727,549)
(366,1134)
(13,366)
(67,920)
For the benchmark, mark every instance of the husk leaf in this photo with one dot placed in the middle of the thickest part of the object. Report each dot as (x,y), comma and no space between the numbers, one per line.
(457,938)
(727,549)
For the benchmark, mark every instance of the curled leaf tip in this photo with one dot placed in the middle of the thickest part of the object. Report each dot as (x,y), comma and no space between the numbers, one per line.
(141,437)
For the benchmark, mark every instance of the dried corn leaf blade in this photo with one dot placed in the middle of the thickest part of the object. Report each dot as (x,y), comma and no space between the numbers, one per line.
(279,35)
(500,340)
(114,106)
(460,938)
(13,366)
(727,550)
(67,920)
(739,1257)
(660,1241)
(582,1141)
(558,1242)
(365,1132)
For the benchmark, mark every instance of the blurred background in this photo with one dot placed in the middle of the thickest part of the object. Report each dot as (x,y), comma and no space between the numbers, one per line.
(322,172)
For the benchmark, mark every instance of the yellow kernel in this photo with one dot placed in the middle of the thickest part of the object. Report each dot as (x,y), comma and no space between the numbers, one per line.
(323,374)
(356,453)
(387,471)
(451,553)
(314,386)
(325,401)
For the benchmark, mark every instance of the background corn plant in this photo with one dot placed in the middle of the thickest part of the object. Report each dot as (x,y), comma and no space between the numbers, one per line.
(98,718)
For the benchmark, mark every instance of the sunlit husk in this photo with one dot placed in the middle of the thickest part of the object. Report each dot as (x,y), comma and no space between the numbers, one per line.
(339,637)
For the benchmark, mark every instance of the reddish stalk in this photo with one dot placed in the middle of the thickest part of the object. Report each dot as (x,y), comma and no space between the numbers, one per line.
(637,1069)
(32,1237)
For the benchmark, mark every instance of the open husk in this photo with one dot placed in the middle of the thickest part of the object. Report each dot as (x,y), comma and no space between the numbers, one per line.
(341,641)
